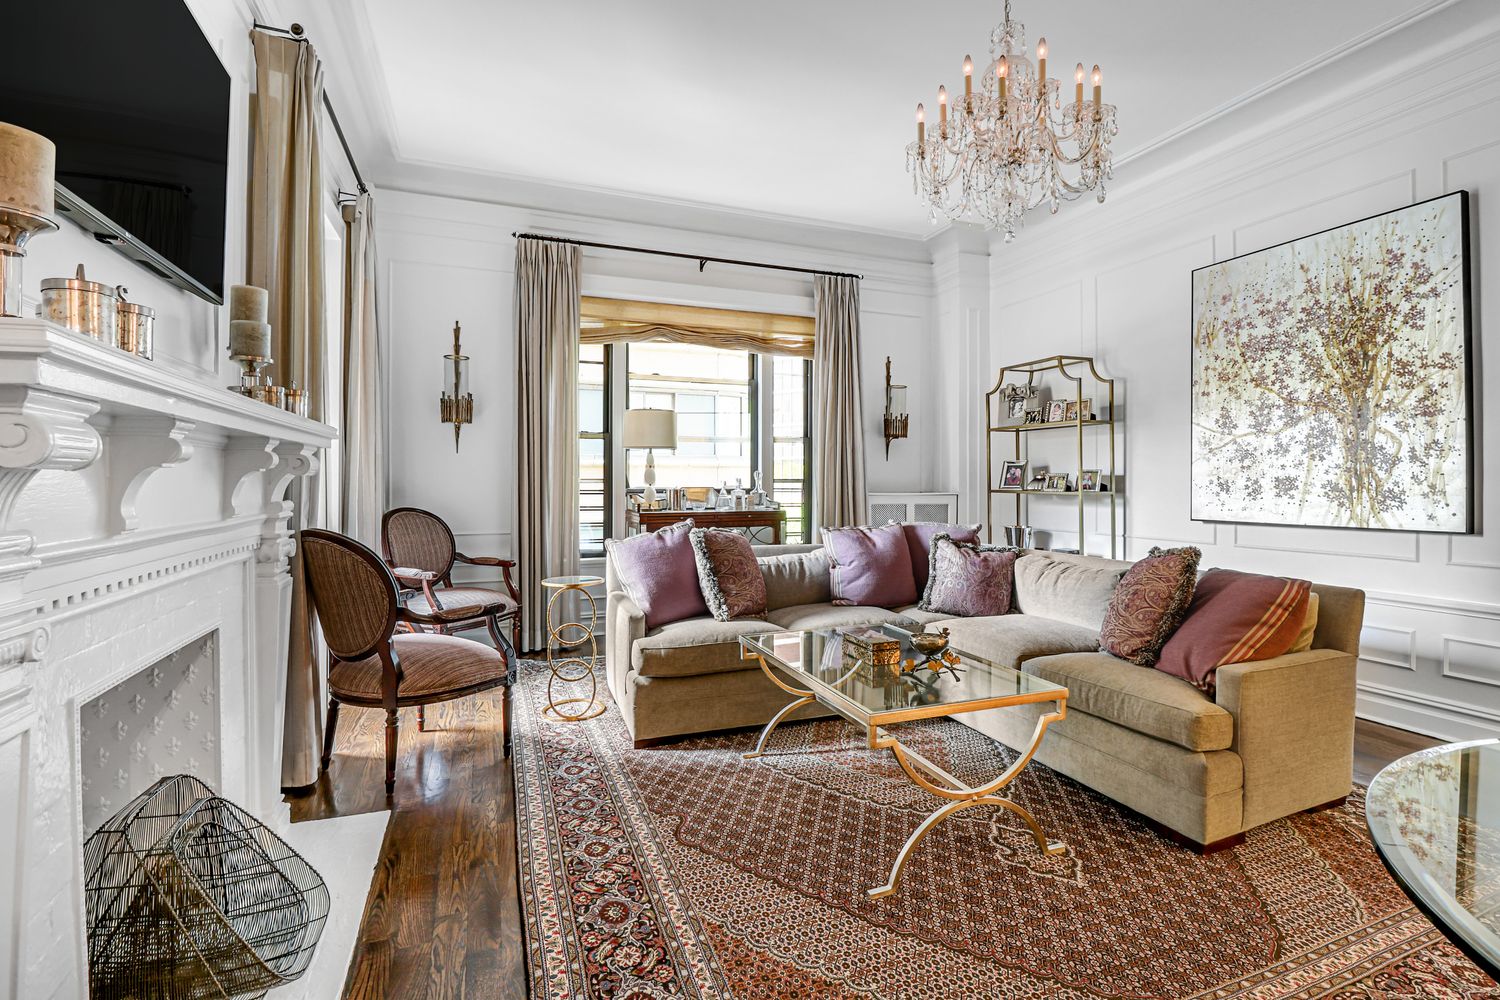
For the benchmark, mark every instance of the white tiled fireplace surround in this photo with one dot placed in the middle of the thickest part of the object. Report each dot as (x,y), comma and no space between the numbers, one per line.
(144,542)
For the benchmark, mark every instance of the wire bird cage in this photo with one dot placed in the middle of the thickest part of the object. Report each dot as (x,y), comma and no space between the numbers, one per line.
(188,897)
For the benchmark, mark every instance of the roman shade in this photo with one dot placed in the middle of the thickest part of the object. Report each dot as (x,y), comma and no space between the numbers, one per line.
(617,321)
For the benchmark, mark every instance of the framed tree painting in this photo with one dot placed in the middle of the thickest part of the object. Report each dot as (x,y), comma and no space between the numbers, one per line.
(1331,377)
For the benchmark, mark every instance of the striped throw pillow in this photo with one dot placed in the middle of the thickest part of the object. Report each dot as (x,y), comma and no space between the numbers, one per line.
(1234,618)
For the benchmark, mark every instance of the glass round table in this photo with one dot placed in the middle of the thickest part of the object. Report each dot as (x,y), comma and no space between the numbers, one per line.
(1435,819)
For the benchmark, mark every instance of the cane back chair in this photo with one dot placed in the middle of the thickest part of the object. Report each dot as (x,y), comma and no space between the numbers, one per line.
(371,665)
(421,551)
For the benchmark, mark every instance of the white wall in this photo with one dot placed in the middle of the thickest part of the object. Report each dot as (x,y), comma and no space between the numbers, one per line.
(1403,120)
(446,259)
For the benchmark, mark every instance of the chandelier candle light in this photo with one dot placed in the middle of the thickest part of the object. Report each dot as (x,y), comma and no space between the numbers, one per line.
(1003,150)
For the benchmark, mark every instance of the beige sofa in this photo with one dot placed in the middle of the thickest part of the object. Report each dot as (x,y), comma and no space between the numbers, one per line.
(1277,738)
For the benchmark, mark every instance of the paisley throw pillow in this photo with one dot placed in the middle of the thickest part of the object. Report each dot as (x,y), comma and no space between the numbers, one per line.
(728,574)
(968,579)
(1149,603)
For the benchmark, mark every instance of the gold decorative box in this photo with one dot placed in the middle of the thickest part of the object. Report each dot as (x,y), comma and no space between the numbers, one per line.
(873,646)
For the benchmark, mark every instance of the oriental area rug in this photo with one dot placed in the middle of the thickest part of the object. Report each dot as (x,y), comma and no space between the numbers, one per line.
(685,871)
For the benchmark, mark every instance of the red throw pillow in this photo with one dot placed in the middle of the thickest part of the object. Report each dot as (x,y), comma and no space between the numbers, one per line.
(1234,618)
(1149,603)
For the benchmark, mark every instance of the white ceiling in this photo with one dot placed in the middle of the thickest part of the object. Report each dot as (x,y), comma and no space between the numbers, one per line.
(793,109)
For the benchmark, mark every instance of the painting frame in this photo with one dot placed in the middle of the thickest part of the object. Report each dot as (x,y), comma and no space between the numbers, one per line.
(1449,510)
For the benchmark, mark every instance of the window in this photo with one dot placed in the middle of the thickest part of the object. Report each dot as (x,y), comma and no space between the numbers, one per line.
(594,511)
(791,443)
(737,411)
(710,389)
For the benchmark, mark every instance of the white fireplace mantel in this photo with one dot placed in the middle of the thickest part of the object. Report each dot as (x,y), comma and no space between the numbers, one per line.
(141,509)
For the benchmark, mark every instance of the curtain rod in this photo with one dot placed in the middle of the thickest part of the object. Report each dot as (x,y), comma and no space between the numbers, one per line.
(700,258)
(295,32)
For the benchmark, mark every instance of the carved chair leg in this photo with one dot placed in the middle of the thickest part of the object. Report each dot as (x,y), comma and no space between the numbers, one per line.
(508,650)
(421,718)
(505,720)
(391,726)
(328,731)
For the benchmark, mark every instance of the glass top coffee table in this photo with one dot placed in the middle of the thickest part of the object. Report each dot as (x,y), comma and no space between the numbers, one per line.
(1435,819)
(889,686)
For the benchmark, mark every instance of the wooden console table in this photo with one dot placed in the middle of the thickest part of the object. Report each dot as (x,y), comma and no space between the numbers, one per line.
(639,521)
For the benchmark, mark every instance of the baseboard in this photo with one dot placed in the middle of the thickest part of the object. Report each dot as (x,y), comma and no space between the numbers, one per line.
(1423,713)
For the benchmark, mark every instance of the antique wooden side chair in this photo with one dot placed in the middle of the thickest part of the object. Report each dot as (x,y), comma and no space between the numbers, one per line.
(421,551)
(371,665)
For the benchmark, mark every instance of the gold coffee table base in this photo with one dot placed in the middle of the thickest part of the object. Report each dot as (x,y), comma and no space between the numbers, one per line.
(959,795)
(567,636)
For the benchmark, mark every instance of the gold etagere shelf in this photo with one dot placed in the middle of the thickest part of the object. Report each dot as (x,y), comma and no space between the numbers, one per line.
(998,420)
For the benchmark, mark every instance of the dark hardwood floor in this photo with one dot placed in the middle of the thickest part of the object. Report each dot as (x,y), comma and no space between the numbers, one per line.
(443,918)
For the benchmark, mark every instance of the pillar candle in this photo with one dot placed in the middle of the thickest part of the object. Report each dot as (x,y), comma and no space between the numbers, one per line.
(249,339)
(26,165)
(248,303)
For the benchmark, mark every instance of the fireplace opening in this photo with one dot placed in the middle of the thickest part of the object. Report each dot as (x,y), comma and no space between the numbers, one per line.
(161,720)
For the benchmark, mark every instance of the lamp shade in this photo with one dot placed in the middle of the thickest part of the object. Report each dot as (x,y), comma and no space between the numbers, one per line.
(650,429)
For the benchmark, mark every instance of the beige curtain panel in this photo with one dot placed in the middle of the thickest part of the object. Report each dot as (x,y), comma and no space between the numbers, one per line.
(546,519)
(838,417)
(616,321)
(363,485)
(286,258)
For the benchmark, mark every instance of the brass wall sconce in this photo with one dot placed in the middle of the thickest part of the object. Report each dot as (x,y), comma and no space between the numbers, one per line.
(458,408)
(895,410)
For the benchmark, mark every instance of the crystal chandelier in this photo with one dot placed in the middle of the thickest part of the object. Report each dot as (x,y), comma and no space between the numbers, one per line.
(1002,148)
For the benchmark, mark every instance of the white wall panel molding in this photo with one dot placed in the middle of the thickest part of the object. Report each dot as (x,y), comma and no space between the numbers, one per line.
(1399,546)
(1443,718)
(1397,647)
(1479,663)
(1440,605)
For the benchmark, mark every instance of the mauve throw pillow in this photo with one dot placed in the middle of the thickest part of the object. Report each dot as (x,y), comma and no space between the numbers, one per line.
(969,579)
(1234,618)
(919,538)
(660,573)
(1149,604)
(870,566)
(728,574)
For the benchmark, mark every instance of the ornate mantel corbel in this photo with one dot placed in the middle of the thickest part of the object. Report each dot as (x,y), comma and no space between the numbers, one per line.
(138,446)
(38,430)
(244,459)
(294,460)
(20,644)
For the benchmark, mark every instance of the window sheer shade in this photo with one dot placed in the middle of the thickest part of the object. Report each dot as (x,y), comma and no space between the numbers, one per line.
(621,321)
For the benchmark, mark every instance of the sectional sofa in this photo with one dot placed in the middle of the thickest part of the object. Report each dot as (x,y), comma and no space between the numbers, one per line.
(1276,738)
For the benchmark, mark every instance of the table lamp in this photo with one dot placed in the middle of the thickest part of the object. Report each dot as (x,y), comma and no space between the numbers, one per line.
(649,429)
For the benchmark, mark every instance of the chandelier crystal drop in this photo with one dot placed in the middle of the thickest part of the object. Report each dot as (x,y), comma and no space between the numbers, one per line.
(1002,148)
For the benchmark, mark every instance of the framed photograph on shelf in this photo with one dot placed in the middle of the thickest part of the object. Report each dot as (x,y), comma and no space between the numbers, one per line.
(1071,413)
(1086,409)
(1018,398)
(1038,480)
(1035,416)
(1057,411)
(1088,480)
(1013,476)
(1058,483)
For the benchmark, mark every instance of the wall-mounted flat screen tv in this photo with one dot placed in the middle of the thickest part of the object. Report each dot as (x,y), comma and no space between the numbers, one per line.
(137,102)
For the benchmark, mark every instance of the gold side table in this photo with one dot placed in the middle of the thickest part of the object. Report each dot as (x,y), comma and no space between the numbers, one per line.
(563,638)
